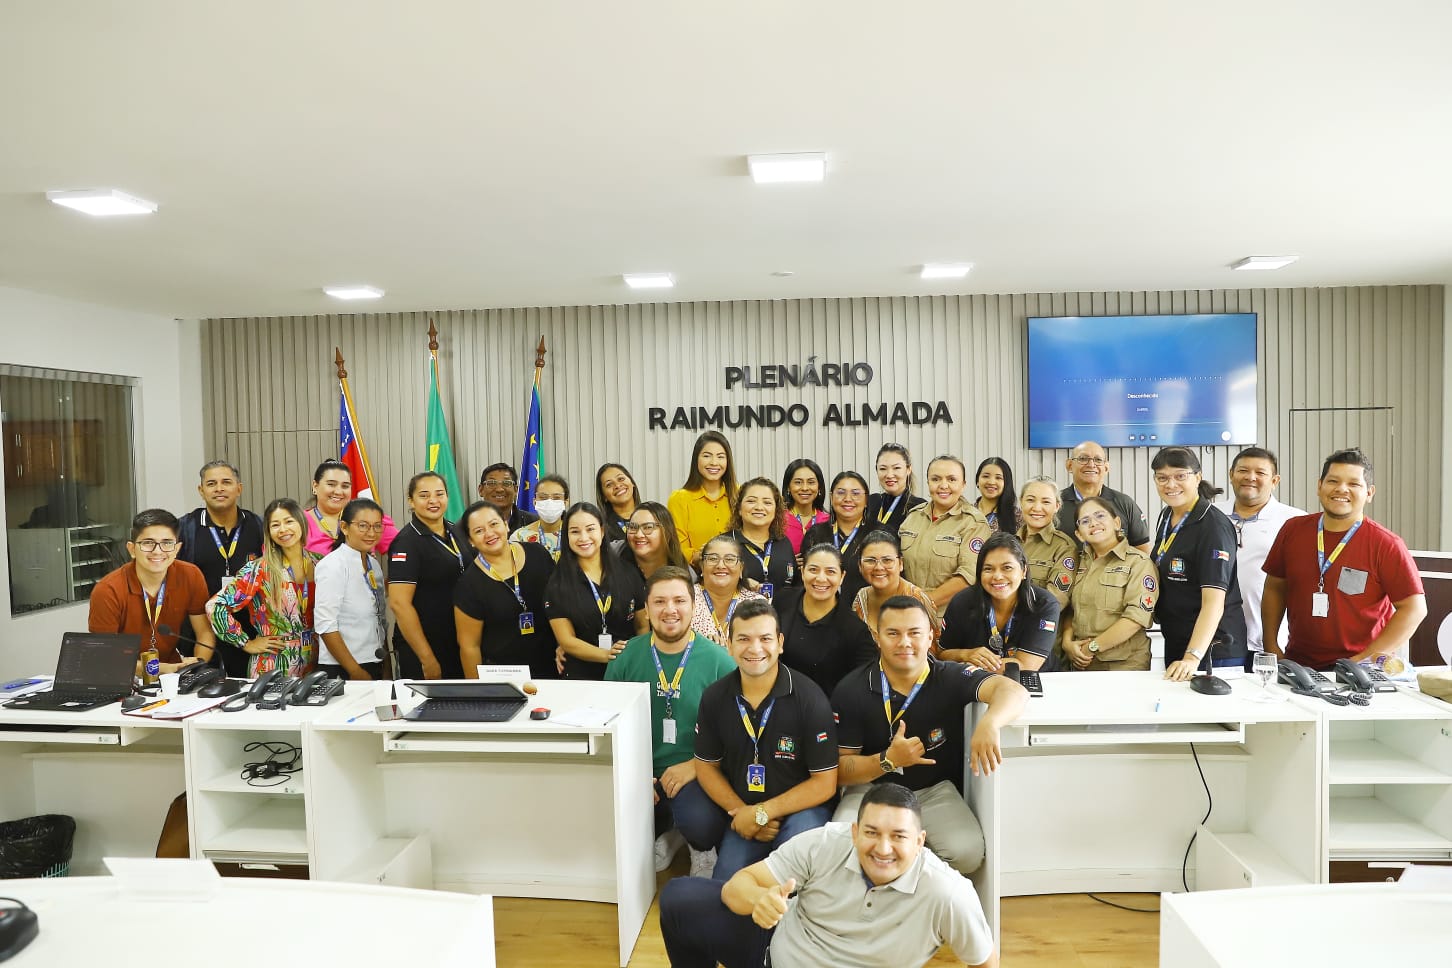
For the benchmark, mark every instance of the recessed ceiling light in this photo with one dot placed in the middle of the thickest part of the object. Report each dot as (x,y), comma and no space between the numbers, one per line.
(649,280)
(353,292)
(1255,262)
(802,166)
(946,270)
(783,273)
(102,201)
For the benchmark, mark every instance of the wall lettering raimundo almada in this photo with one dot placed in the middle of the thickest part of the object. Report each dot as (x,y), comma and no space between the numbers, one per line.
(781,376)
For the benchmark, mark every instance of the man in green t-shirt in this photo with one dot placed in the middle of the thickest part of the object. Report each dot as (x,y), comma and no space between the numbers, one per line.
(679,665)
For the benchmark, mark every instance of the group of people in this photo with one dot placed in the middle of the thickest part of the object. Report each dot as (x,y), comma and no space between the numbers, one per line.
(770,622)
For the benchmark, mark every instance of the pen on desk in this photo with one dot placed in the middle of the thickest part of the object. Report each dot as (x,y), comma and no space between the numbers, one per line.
(365,712)
(153,705)
(1157,705)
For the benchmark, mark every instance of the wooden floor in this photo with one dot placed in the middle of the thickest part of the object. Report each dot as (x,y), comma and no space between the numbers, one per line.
(1051,931)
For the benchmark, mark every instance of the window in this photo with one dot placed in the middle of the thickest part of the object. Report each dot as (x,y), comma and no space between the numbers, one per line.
(70,483)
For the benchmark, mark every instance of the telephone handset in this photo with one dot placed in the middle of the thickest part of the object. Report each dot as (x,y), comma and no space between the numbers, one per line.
(1306,682)
(276,693)
(1353,675)
(315,689)
(253,693)
(197,675)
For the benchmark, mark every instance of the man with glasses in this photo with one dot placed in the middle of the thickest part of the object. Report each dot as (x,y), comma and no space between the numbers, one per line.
(1088,464)
(155,596)
(499,485)
(219,538)
(1257,516)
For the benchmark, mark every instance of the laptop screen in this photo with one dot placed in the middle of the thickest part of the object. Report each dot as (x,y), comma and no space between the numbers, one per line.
(98,662)
(454,689)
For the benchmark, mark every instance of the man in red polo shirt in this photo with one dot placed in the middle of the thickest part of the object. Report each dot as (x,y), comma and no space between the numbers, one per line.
(1348,585)
(155,594)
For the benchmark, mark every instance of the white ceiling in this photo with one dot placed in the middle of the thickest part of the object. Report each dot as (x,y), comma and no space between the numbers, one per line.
(462,153)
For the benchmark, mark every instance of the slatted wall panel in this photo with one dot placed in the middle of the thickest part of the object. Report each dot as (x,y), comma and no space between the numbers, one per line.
(271,400)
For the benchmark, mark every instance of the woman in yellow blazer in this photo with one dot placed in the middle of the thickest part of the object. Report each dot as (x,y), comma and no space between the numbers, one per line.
(702,508)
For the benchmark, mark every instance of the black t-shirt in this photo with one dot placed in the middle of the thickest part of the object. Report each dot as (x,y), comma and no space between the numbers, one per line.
(1202,555)
(824,650)
(1031,628)
(935,717)
(420,558)
(850,544)
(492,602)
(568,595)
(203,544)
(1136,528)
(771,564)
(800,738)
(885,515)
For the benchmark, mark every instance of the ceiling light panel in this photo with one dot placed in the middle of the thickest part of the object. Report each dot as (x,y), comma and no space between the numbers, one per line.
(802,166)
(102,202)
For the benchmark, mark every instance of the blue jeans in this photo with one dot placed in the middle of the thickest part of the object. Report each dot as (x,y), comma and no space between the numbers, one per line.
(696,816)
(736,852)
(699,930)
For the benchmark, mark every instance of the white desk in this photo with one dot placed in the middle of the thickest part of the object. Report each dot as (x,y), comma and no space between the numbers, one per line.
(1325,925)
(1099,792)
(280,924)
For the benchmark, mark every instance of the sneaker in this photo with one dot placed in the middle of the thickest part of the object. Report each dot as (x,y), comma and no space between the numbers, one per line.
(667,845)
(703,862)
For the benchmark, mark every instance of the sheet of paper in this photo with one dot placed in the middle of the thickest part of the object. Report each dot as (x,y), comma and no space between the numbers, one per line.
(585,716)
(179,707)
(170,879)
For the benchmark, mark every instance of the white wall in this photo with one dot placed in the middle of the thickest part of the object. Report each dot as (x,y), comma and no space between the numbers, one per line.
(164,355)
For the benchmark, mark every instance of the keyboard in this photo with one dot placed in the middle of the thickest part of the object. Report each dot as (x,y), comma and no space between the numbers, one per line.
(465,711)
(63,702)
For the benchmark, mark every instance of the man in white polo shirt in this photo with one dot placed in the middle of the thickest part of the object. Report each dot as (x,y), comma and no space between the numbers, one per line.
(1257,517)
(867,895)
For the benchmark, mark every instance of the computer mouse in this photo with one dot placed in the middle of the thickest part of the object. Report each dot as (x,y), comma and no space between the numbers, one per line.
(222,687)
(539,712)
(1210,686)
(18,927)
(134,702)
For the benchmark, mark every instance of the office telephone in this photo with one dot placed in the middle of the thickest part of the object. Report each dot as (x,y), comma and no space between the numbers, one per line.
(315,689)
(1309,682)
(1362,679)
(195,676)
(255,692)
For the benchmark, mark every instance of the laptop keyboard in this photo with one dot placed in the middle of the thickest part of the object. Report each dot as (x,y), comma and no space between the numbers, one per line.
(468,710)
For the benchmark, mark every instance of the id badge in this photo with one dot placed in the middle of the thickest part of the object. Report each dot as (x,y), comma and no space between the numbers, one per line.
(766,589)
(526,623)
(1320,605)
(605,641)
(227,582)
(667,730)
(756,778)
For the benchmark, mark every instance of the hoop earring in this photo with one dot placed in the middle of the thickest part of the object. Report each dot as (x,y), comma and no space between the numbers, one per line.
(1121,533)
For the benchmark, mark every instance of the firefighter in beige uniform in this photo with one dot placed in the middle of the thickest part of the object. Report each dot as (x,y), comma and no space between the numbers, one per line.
(1052,554)
(1113,598)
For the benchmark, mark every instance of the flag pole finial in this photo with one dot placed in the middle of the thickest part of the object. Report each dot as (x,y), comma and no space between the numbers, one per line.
(539,353)
(433,337)
(338,362)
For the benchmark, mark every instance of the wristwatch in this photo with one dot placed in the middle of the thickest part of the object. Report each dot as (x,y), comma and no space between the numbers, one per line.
(888,766)
(1093,646)
(761,818)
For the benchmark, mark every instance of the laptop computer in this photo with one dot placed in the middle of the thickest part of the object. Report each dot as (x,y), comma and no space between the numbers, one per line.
(466,702)
(94,669)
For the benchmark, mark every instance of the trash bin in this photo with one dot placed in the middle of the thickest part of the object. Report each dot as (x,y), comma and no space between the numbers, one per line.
(37,846)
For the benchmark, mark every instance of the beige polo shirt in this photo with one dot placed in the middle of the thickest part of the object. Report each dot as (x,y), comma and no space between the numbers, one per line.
(840,918)
(1122,584)
(1052,557)
(934,551)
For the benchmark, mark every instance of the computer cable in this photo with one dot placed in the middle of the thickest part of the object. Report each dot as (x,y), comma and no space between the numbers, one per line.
(1185,864)
(283,760)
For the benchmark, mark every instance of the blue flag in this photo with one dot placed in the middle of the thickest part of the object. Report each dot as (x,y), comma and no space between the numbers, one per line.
(532,464)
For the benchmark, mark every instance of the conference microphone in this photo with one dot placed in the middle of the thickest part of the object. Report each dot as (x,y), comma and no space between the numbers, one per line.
(1206,682)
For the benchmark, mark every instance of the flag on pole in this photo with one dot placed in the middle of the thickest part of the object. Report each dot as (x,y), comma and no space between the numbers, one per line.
(350,444)
(438,451)
(532,464)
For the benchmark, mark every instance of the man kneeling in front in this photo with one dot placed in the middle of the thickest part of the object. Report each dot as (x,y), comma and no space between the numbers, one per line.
(866,895)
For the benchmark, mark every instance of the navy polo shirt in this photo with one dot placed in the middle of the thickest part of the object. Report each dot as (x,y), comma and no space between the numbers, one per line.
(1201,556)
(1033,625)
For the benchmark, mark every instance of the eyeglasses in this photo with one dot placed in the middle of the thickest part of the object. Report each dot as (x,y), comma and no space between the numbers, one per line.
(730,561)
(370,528)
(1098,517)
(505,484)
(648,528)
(856,493)
(885,560)
(1084,460)
(1179,478)
(149,545)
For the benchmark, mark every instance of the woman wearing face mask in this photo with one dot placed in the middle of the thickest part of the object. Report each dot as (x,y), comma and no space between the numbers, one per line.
(616,495)
(350,615)
(551,497)
(499,601)
(1002,617)
(1112,603)
(1052,554)
(424,562)
(941,539)
(805,490)
(846,530)
(758,527)
(887,508)
(882,570)
(278,592)
(332,490)
(651,542)
(996,498)
(1194,548)
(702,508)
(821,637)
(594,601)
(721,589)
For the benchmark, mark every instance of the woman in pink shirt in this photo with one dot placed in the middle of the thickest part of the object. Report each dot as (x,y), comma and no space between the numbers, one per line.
(332,490)
(806,493)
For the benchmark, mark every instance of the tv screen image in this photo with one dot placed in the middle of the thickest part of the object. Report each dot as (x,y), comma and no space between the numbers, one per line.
(1142,381)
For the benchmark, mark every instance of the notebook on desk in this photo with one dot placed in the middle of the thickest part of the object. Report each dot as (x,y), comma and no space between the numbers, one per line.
(466,702)
(94,669)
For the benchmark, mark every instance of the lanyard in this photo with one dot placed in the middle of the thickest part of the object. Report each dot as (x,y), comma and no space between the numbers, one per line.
(301,588)
(1321,557)
(153,614)
(603,604)
(1168,539)
(371,572)
(512,582)
(762,555)
(806,522)
(755,734)
(887,697)
(884,515)
(839,541)
(671,689)
(730,610)
(318,516)
(451,546)
(226,551)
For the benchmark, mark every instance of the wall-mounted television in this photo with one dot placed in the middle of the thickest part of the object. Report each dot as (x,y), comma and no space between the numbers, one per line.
(1142,381)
